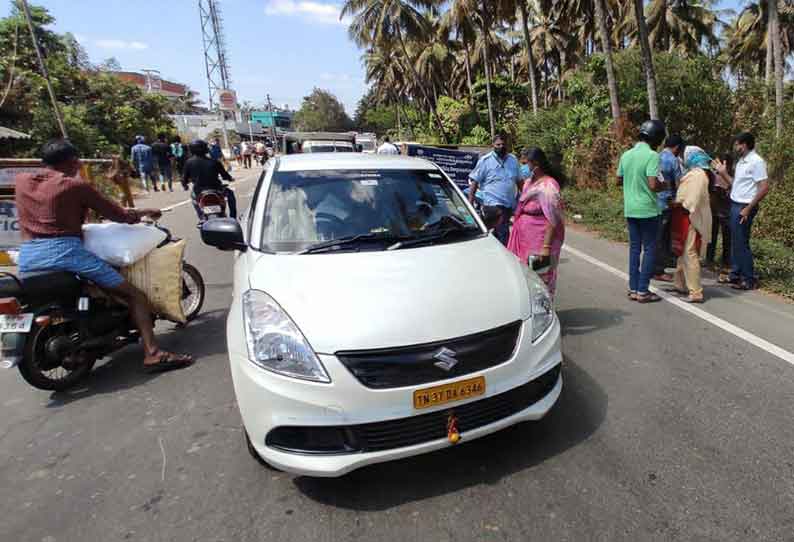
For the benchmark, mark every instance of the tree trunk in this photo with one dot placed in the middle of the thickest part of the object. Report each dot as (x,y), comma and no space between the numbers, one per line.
(533,84)
(774,29)
(468,73)
(647,59)
(770,47)
(419,83)
(607,48)
(486,55)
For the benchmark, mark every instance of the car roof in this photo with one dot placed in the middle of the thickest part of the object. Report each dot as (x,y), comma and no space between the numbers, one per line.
(349,160)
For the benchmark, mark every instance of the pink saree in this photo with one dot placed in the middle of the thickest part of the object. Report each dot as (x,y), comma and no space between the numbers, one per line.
(540,204)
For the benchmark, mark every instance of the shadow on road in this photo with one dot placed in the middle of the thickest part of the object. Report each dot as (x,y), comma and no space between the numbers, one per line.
(579,412)
(203,337)
(586,320)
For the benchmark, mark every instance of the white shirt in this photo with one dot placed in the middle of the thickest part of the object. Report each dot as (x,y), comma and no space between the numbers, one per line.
(388,148)
(750,170)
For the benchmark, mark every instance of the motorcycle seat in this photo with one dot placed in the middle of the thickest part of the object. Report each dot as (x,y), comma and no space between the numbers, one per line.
(10,286)
(55,284)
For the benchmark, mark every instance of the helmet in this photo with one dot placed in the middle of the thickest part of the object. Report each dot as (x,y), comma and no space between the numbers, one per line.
(653,131)
(139,139)
(199,147)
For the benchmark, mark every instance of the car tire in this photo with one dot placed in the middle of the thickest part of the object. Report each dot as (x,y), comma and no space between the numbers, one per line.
(255,454)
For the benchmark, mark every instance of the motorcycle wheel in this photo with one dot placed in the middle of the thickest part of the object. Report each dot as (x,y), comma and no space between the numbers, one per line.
(55,379)
(193,291)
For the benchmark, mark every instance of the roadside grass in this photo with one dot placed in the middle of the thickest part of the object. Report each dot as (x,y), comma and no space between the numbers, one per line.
(602,211)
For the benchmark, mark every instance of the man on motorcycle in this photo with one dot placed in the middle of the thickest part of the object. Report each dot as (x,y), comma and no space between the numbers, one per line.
(52,204)
(203,172)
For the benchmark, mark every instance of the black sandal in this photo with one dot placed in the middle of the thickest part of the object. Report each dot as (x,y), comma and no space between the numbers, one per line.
(648,298)
(168,361)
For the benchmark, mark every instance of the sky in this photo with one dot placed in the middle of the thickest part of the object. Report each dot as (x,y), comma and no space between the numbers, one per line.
(284,48)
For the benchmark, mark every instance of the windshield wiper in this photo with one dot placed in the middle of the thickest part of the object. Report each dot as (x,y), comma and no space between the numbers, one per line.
(436,236)
(336,244)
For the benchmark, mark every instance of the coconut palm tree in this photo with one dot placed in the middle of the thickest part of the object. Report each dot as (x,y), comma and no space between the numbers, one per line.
(523,11)
(378,22)
(777,48)
(647,58)
(606,44)
(678,25)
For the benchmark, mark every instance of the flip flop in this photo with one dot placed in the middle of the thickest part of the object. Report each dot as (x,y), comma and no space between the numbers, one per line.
(168,361)
(677,291)
(632,295)
(648,298)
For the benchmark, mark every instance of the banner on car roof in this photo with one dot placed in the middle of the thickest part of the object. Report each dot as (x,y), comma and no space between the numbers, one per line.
(455,163)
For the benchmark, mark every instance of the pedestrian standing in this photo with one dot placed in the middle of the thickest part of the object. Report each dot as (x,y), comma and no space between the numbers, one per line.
(638,173)
(670,170)
(216,153)
(719,194)
(387,147)
(691,223)
(178,152)
(237,154)
(260,152)
(247,150)
(539,222)
(497,176)
(162,154)
(141,157)
(119,174)
(749,186)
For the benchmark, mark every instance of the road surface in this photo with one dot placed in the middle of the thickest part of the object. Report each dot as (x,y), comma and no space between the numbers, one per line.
(672,425)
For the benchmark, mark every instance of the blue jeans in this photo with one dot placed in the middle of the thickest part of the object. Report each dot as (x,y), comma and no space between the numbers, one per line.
(166,174)
(642,240)
(741,253)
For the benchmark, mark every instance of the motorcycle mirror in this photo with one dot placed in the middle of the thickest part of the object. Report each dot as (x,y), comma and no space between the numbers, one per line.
(223,234)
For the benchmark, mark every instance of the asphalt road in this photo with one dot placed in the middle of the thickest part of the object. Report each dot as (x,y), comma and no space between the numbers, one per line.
(669,428)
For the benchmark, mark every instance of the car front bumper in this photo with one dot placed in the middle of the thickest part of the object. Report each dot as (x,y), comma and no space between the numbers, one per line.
(268,401)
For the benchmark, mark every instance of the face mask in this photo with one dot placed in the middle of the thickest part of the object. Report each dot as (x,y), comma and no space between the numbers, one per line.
(525,171)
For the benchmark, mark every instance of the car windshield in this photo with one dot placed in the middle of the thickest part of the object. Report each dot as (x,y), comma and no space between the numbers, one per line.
(319,148)
(367,145)
(305,208)
(344,148)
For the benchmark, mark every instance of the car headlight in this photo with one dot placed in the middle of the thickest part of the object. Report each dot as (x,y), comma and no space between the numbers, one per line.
(542,309)
(274,341)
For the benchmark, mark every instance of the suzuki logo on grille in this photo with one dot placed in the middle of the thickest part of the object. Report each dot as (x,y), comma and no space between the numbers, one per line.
(446,359)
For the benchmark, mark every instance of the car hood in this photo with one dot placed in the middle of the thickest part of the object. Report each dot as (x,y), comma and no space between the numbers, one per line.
(365,300)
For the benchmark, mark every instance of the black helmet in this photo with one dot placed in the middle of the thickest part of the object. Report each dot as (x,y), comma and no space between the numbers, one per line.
(653,132)
(199,147)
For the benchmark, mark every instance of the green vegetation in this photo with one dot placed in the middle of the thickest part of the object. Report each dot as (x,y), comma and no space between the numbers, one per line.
(102,114)
(322,111)
(577,78)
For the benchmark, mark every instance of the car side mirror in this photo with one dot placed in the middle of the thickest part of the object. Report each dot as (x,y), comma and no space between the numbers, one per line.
(223,234)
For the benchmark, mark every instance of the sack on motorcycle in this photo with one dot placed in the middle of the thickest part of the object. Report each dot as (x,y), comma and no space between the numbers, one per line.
(159,276)
(121,244)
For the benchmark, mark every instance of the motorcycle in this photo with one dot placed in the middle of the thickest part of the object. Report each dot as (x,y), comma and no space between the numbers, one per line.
(54,326)
(212,204)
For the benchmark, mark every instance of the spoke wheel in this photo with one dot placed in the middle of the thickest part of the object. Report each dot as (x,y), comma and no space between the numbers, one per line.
(193,291)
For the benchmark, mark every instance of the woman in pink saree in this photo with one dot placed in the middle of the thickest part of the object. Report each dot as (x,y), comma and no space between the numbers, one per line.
(538,222)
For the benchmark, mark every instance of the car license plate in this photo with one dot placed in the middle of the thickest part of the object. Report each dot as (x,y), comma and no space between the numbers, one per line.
(15,323)
(447,393)
(212,209)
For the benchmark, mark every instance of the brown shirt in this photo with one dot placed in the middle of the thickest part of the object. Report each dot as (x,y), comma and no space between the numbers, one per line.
(52,204)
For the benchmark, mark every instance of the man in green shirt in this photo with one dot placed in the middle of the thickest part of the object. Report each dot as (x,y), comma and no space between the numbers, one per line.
(638,173)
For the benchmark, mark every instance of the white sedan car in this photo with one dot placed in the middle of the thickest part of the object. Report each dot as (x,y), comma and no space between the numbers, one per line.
(375,318)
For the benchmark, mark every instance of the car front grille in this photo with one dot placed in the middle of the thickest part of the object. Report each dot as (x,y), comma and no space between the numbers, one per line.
(414,365)
(387,435)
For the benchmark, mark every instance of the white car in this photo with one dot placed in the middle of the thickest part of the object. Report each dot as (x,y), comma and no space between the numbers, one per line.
(374,317)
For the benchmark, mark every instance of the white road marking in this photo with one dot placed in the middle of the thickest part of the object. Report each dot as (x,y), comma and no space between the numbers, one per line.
(743,334)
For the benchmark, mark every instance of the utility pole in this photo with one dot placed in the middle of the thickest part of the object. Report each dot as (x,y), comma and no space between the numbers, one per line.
(43,68)
(272,122)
